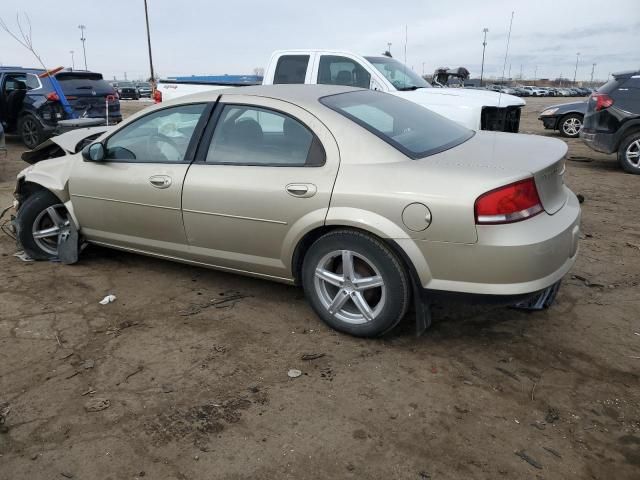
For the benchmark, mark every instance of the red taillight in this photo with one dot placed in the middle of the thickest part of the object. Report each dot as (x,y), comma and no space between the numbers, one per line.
(511,203)
(602,101)
(53,97)
(157,96)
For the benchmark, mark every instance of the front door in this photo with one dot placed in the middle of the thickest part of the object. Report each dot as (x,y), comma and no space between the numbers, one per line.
(265,176)
(131,199)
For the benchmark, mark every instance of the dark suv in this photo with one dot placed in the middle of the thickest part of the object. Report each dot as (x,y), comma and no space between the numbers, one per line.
(612,120)
(31,108)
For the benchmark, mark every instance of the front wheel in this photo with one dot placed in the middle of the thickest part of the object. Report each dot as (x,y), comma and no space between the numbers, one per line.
(629,154)
(355,283)
(40,222)
(570,125)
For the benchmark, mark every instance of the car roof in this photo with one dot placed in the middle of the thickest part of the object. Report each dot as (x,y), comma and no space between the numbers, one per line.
(302,95)
(626,74)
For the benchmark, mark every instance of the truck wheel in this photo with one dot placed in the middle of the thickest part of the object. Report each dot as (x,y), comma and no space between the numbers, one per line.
(355,283)
(629,154)
(30,131)
(570,125)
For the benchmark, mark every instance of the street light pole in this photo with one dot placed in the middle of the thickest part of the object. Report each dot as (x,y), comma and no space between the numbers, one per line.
(576,70)
(484,46)
(146,16)
(73,62)
(389,47)
(535,75)
(83,39)
(593,67)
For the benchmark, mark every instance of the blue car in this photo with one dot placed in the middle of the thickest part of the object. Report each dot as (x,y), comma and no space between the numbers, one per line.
(31,108)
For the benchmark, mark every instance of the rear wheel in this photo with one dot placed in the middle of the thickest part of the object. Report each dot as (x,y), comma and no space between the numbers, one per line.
(30,131)
(355,283)
(570,125)
(40,222)
(629,153)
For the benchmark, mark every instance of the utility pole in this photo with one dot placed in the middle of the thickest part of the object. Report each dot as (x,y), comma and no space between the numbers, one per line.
(484,46)
(73,63)
(593,67)
(423,69)
(576,70)
(83,39)
(509,76)
(520,72)
(146,16)
(535,75)
(389,47)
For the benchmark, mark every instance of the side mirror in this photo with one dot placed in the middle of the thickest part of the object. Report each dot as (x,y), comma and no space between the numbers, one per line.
(94,152)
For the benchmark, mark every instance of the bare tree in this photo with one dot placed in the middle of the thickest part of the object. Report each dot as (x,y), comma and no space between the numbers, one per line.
(23,35)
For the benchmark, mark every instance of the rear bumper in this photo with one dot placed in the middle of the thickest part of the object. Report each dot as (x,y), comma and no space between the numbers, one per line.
(509,261)
(600,142)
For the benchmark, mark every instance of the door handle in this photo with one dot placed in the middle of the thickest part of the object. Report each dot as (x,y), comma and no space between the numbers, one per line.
(160,181)
(301,190)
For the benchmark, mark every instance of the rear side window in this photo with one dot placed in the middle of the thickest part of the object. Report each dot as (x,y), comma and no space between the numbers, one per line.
(247,135)
(414,130)
(77,83)
(633,82)
(291,69)
(32,81)
(335,70)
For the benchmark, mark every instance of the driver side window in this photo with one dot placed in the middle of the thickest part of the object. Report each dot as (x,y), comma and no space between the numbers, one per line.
(162,136)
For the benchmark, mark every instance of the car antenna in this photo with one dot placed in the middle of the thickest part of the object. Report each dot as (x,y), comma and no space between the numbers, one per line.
(506,53)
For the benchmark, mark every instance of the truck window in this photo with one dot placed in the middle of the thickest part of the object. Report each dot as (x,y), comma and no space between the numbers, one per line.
(334,70)
(291,69)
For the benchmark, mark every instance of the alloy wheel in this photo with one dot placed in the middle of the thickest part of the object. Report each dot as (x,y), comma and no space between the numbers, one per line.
(572,126)
(633,153)
(48,226)
(350,287)
(30,132)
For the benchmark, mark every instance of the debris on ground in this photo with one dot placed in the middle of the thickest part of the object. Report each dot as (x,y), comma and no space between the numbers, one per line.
(135,372)
(294,373)
(90,391)
(97,404)
(586,281)
(552,416)
(23,256)
(66,474)
(228,302)
(580,198)
(88,364)
(108,299)
(553,452)
(5,408)
(531,461)
(121,326)
(424,475)
(633,245)
(312,356)
(253,388)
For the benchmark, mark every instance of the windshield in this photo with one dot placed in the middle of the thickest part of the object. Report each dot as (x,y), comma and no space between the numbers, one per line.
(414,130)
(402,77)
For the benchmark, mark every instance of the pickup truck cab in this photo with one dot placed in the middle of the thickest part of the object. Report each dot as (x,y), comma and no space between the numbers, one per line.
(475,109)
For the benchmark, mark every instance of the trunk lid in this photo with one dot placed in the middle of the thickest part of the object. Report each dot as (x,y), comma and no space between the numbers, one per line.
(515,156)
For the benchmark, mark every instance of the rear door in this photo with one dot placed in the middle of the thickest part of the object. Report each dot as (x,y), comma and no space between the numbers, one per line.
(263,177)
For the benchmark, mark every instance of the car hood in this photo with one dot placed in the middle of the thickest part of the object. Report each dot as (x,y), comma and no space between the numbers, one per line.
(569,107)
(460,96)
(68,142)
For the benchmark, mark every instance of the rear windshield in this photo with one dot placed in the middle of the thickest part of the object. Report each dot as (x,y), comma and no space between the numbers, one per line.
(414,130)
(610,86)
(78,83)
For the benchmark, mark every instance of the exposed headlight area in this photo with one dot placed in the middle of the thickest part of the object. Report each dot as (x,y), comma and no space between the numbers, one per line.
(548,111)
(511,203)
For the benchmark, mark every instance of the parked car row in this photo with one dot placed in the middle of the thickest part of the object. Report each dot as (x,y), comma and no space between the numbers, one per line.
(133,90)
(534,91)
(608,122)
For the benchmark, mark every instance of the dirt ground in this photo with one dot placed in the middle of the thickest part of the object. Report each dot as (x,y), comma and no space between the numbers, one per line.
(193,365)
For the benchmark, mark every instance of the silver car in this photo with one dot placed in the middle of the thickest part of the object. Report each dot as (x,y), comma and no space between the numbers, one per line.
(368,201)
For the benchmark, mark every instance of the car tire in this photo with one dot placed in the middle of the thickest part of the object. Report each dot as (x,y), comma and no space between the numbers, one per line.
(349,303)
(570,125)
(629,154)
(30,131)
(41,213)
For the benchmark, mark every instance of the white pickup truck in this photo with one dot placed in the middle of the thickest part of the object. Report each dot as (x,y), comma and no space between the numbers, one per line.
(476,109)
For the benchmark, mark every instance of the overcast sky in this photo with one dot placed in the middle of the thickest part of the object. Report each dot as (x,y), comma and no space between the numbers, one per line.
(233,37)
